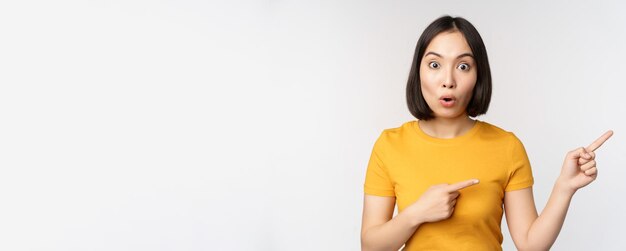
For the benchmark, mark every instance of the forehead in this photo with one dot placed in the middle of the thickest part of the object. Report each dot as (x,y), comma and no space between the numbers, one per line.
(449,44)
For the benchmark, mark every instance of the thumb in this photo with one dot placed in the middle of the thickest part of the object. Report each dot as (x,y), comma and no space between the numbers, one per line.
(578,153)
(462,184)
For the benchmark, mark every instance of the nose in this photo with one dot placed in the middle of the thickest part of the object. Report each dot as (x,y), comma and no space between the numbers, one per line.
(448,81)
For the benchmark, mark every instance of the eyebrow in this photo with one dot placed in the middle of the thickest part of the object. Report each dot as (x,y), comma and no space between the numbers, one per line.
(467,54)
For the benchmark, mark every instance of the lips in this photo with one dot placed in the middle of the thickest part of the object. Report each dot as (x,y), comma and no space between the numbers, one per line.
(447,100)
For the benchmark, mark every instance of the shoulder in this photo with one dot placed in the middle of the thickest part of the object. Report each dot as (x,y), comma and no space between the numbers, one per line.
(510,144)
(503,138)
(399,132)
(493,132)
(394,136)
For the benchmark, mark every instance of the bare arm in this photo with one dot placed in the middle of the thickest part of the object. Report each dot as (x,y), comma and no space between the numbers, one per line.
(532,232)
(379,231)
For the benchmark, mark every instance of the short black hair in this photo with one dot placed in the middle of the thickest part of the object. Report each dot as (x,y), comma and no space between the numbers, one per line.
(481,95)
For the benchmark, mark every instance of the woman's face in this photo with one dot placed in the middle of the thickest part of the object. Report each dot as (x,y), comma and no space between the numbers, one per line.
(448,75)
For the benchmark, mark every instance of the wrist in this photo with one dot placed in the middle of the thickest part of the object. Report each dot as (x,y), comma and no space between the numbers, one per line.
(562,187)
(415,214)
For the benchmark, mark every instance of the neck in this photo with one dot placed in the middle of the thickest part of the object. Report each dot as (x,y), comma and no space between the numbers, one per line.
(447,128)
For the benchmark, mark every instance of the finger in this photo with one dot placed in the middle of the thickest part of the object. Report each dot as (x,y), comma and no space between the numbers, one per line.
(454,195)
(588,166)
(583,161)
(585,157)
(591,171)
(593,146)
(462,184)
(586,154)
(577,153)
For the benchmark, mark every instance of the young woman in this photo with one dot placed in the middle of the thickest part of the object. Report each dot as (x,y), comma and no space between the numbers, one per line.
(453,176)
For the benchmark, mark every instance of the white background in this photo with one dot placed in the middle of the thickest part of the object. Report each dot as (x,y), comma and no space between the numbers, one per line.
(228,125)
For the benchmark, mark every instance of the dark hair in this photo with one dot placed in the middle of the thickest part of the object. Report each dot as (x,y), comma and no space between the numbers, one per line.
(481,95)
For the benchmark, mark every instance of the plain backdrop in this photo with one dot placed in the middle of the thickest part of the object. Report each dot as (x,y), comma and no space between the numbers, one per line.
(232,125)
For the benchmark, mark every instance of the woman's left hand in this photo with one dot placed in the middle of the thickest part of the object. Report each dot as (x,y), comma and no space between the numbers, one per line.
(579,168)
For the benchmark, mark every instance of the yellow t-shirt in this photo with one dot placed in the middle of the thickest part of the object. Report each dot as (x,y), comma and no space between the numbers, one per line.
(405,162)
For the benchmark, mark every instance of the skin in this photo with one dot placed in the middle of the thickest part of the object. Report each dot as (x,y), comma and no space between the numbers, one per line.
(449,68)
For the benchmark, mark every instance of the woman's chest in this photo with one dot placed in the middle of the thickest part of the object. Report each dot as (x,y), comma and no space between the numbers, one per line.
(413,173)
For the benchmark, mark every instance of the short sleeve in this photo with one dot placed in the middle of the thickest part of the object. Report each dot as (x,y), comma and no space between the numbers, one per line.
(377,181)
(520,172)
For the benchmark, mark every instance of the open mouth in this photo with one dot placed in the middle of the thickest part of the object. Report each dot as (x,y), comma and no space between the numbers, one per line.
(447,101)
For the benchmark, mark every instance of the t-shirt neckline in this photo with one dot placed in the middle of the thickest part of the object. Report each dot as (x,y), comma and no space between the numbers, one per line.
(443,141)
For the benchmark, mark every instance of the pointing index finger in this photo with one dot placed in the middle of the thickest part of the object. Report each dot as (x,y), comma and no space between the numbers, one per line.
(462,184)
(593,146)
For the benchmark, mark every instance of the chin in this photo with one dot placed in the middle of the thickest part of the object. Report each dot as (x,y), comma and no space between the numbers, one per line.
(450,115)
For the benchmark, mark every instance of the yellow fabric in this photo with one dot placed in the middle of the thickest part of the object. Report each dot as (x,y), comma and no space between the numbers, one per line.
(405,162)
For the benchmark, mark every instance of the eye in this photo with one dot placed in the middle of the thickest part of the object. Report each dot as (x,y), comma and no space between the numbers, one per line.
(433,65)
(463,67)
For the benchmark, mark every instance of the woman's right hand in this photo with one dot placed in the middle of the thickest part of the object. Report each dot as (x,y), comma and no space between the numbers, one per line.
(438,202)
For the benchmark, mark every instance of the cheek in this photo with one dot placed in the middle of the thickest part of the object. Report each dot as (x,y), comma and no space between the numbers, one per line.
(423,76)
(428,90)
(468,84)
(428,82)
